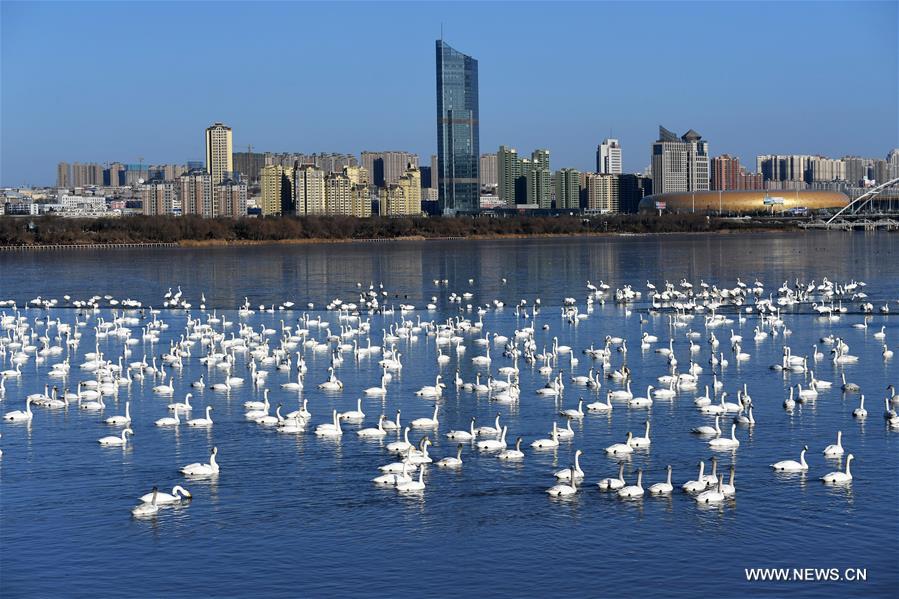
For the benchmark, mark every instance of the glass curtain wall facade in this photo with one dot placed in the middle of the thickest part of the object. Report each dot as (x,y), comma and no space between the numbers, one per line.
(458,152)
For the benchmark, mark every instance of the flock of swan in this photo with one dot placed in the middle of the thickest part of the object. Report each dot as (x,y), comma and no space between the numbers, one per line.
(42,343)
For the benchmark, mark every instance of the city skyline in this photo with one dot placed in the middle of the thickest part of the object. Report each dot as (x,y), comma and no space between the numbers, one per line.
(119,118)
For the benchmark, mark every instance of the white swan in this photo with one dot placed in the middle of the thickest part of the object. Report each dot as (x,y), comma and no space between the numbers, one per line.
(207,421)
(643,441)
(576,414)
(451,462)
(178,494)
(400,446)
(700,484)
(330,429)
(116,440)
(860,411)
(373,433)
(494,444)
(664,488)
(431,391)
(356,415)
(183,406)
(565,473)
(633,491)
(792,465)
(413,486)
(725,442)
(550,443)
(840,477)
(120,420)
(613,484)
(169,420)
(427,422)
(621,448)
(835,450)
(460,435)
(564,489)
(598,406)
(713,495)
(198,469)
(512,454)
(708,430)
(147,509)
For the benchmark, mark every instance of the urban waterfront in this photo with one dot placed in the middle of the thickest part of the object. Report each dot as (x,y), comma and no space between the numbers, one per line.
(297,514)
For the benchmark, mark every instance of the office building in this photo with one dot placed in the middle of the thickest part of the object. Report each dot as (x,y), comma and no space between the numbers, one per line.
(632,189)
(608,157)
(487,172)
(309,190)
(567,189)
(231,198)
(219,153)
(275,187)
(680,164)
(63,175)
(196,193)
(458,142)
(160,197)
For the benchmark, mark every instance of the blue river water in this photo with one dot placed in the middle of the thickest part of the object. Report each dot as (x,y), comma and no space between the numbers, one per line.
(297,515)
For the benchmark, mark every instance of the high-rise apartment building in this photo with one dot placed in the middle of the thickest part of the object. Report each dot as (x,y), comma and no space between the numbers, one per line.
(680,164)
(196,193)
(159,198)
(608,157)
(508,169)
(725,172)
(275,187)
(86,174)
(567,189)
(487,171)
(539,179)
(893,162)
(775,167)
(219,153)
(231,198)
(386,168)
(458,142)
(882,171)
(404,198)
(358,175)
(63,175)
(114,176)
(602,192)
(855,168)
(309,190)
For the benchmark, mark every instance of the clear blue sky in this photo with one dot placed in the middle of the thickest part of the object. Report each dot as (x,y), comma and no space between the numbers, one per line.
(115,81)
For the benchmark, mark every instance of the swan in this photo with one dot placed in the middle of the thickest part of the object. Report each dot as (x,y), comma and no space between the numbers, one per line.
(226,386)
(840,477)
(512,454)
(356,415)
(333,383)
(400,446)
(163,389)
(262,412)
(120,420)
(377,391)
(372,433)
(664,488)
(394,478)
(93,406)
(575,414)
(613,484)
(550,443)
(485,431)
(451,462)
(198,469)
(462,435)
(413,486)
(725,442)
(848,387)
(198,384)
(745,419)
(792,465)
(431,391)
(633,491)
(427,422)
(713,495)
(664,393)
(207,421)
(806,394)
(643,441)
(147,509)
(392,425)
(790,403)
(728,488)
(646,402)
(708,430)
(564,489)
(169,420)
(621,448)
(182,406)
(835,450)
(330,429)
(700,484)
(482,360)
(178,494)
(565,473)
(715,409)
(598,406)
(860,411)
(494,444)
(623,393)
(116,440)
(887,353)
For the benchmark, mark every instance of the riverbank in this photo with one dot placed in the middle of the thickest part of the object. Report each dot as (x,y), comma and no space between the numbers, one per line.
(192,231)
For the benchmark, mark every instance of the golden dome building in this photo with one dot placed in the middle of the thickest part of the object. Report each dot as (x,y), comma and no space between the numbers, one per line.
(743,202)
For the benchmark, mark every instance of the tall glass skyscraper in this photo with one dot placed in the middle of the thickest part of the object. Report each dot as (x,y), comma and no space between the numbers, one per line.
(458,152)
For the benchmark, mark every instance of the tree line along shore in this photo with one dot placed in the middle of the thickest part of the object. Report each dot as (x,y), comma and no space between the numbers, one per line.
(191,230)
